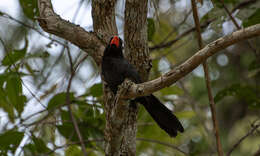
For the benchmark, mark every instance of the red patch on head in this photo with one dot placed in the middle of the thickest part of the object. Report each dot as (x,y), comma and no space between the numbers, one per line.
(115,41)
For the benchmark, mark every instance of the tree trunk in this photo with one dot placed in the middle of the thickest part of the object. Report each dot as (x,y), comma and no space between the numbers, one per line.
(121,117)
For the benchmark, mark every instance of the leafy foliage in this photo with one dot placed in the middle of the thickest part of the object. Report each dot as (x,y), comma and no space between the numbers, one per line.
(59,100)
(10,140)
(253,19)
(96,90)
(11,94)
(242,92)
(30,8)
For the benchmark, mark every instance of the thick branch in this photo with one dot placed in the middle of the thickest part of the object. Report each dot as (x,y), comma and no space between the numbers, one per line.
(54,24)
(194,61)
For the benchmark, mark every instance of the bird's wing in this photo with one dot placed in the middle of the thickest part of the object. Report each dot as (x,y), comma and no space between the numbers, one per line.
(128,70)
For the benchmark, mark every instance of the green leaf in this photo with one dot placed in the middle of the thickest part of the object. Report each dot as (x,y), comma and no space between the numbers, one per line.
(40,54)
(198,146)
(254,65)
(14,92)
(228,91)
(151,28)
(29,150)
(253,19)
(96,90)
(11,95)
(15,55)
(65,116)
(244,92)
(30,8)
(40,145)
(173,90)
(185,114)
(73,151)
(59,99)
(10,140)
(67,130)
(86,129)
(5,105)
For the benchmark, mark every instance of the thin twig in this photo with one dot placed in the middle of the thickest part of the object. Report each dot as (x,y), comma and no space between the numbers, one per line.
(174,29)
(75,124)
(50,110)
(229,14)
(243,4)
(163,143)
(207,79)
(170,43)
(237,25)
(5,15)
(17,70)
(254,127)
(192,101)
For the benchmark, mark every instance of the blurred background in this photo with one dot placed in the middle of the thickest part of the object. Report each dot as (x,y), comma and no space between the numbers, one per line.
(35,70)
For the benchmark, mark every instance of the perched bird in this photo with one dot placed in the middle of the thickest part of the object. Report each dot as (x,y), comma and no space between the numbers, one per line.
(115,68)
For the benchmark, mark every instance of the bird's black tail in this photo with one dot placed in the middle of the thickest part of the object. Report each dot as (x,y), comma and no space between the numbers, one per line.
(162,115)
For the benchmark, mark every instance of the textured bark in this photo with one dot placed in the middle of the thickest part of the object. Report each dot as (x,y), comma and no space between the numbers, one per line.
(135,33)
(54,24)
(104,22)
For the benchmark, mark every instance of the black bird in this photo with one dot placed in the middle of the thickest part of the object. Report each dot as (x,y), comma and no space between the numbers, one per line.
(115,68)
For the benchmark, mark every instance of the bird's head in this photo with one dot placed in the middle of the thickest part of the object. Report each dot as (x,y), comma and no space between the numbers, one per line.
(116,41)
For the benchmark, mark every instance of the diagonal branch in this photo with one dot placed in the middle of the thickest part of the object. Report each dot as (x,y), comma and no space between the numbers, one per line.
(171,42)
(207,79)
(237,25)
(243,4)
(54,24)
(162,143)
(185,68)
(254,128)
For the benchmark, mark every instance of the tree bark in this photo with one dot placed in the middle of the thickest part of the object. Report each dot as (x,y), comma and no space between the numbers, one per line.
(135,33)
